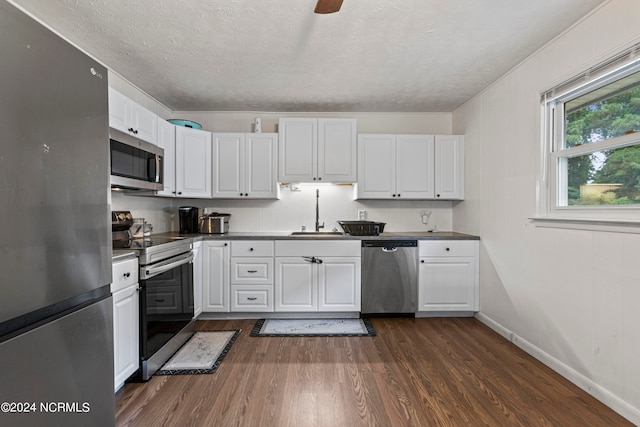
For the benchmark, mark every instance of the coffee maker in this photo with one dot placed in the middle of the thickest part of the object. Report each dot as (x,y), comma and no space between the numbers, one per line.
(188,216)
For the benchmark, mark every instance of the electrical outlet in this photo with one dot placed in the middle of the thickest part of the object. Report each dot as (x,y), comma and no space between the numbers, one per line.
(362,215)
(425,216)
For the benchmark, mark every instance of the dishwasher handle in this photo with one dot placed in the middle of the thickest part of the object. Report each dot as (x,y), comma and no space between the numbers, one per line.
(383,243)
(388,249)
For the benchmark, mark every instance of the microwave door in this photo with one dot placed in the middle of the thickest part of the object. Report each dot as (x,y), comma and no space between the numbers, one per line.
(135,164)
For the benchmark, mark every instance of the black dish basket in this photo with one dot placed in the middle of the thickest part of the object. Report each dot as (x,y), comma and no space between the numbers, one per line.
(362,228)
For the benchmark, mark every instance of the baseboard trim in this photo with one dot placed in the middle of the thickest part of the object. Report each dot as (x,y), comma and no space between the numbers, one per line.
(605,396)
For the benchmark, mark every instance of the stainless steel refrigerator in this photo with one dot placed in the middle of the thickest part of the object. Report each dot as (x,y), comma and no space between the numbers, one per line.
(56,333)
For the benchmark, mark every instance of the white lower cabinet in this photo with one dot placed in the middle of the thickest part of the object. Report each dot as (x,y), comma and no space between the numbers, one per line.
(197,279)
(254,298)
(252,275)
(296,286)
(317,276)
(126,318)
(215,276)
(448,276)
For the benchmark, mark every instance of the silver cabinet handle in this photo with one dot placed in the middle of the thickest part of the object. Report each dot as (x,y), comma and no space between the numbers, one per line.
(252,271)
(252,298)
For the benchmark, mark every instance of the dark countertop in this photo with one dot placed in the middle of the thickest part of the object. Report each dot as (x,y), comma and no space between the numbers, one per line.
(123,255)
(286,235)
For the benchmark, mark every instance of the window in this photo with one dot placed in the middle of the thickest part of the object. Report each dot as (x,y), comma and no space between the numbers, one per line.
(591,164)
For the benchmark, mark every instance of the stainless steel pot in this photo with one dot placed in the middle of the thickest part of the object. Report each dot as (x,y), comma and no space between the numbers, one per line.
(214,223)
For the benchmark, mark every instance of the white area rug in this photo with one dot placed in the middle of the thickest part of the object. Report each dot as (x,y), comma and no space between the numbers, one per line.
(202,354)
(313,327)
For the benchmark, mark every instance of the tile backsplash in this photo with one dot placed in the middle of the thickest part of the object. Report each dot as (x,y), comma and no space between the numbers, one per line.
(295,208)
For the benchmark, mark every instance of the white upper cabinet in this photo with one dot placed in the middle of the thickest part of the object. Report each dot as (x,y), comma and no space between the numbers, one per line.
(245,165)
(312,150)
(410,167)
(376,166)
(298,145)
(449,167)
(167,141)
(337,150)
(130,117)
(228,159)
(414,166)
(193,163)
(395,166)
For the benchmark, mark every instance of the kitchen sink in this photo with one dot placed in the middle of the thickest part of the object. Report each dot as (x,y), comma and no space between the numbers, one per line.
(317,233)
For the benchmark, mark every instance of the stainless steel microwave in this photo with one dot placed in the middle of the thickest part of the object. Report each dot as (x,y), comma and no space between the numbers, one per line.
(135,164)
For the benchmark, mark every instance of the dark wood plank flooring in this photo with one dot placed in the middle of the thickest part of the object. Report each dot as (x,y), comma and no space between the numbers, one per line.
(416,372)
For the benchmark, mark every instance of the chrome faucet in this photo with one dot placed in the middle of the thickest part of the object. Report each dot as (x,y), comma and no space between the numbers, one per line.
(318,225)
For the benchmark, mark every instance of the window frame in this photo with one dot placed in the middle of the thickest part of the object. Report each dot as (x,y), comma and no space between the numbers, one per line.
(553,209)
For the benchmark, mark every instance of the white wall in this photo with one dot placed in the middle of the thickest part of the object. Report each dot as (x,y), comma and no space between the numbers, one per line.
(429,123)
(569,297)
(294,209)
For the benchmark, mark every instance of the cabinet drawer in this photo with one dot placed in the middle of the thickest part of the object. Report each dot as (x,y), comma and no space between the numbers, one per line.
(447,248)
(296,248)
(125,273)
(244,248)
(164,300)
(254,298)
(247,271)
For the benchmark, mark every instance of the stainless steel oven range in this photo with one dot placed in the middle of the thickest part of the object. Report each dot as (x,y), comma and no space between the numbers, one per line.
(166,292)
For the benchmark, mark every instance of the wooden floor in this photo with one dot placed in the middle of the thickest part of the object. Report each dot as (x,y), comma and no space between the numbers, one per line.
(416,372)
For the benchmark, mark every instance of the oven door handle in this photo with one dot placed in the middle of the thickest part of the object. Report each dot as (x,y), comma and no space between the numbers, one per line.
(150,271)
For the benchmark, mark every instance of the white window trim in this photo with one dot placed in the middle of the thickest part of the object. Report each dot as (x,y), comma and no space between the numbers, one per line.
(622,218)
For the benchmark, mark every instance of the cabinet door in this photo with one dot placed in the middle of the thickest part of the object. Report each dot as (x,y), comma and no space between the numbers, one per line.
(132,118)
(414,167)
(197,279)
(449,167)
(144,123)
(167,141)
(215,276)
(228,160)
(339,284)
(297,148)
(376,166)
(119,111)
(296,285)
(447,284)
(261,177)
(337,150)
(193,163)
(126,330)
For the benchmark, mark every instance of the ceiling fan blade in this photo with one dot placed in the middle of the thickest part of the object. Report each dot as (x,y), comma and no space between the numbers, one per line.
(328,6)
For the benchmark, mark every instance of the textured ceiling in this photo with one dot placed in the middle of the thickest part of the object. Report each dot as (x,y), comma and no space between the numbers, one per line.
(277,55)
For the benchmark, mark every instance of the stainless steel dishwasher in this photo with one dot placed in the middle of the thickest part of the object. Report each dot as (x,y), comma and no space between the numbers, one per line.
(389,277)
